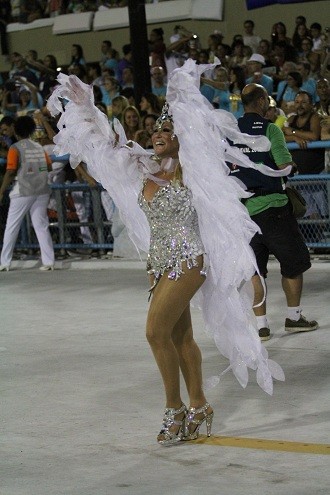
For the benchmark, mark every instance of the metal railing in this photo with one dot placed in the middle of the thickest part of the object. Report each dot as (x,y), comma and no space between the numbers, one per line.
(312,144)
(69,227)
(68,231)
(315,188)
(315,225)
(92,230)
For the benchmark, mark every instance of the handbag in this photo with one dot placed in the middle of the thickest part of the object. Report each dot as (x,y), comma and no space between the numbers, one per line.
(298,203)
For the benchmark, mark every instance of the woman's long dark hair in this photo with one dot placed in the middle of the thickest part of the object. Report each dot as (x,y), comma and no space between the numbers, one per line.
(297,39)
(154,102)
(53,62)
(240,78)
(80,54)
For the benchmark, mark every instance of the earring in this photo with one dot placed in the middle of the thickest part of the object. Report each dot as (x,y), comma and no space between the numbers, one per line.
(172,137)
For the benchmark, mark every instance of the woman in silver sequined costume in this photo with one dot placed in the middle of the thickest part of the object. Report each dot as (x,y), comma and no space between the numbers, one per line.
(176,254)
(180,205)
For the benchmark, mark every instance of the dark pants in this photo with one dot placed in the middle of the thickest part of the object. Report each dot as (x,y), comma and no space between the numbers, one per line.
(280,236)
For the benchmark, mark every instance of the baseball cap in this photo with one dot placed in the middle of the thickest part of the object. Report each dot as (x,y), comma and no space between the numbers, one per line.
(257,58)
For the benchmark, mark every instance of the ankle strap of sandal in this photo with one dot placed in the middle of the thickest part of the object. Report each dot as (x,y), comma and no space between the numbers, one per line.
(192,411)
(170,411)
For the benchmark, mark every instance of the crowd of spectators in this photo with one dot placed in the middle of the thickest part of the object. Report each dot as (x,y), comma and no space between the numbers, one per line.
(294,70)
(26,11)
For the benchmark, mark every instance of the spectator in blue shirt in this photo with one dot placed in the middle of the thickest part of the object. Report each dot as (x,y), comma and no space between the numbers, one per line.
(308,83)
(158,81)
(255,66)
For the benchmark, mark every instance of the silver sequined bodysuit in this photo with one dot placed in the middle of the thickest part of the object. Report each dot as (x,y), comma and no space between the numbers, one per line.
(174,232)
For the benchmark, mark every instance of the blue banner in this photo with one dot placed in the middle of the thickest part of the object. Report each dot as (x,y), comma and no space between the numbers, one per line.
(255,4)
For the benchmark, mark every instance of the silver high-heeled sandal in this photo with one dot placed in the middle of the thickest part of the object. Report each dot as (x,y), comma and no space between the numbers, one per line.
(172,437)
(192,434)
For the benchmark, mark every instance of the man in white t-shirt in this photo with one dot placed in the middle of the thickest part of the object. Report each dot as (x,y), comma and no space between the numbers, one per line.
(249,38)
(316,31)
(177,52)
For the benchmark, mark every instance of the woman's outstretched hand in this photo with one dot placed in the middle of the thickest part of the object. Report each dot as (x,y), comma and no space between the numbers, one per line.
(72,89)
(77,91)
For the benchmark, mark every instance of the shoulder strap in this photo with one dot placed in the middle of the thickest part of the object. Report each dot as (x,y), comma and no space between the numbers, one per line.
(280,99)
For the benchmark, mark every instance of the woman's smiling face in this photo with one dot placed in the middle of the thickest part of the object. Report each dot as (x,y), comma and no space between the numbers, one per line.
(164,141)
(131,118)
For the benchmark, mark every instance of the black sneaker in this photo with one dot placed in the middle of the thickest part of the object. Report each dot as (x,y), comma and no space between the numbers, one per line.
(302,325)
(264,333)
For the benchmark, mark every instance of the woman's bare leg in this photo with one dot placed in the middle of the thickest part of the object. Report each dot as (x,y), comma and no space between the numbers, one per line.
(169,301)
(190,358)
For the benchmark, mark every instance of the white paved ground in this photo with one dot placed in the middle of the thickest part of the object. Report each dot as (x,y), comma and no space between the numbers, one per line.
(81,399)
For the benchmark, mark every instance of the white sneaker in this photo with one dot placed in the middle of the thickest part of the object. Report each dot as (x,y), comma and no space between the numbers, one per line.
(46,268)
(4,268)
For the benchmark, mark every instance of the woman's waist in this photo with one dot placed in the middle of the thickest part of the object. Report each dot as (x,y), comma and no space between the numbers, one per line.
(179,232)
(176,242)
